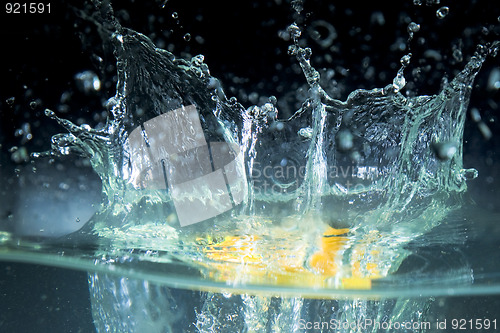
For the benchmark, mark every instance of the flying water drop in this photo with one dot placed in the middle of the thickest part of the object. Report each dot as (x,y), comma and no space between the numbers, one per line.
(442,12)
(399,82)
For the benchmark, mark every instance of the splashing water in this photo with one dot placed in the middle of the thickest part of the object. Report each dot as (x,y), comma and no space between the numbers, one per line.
(242,197)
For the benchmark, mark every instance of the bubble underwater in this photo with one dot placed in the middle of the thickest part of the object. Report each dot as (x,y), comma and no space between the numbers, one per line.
(268,212)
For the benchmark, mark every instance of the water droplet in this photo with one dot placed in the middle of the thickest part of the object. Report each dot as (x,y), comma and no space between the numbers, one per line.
(292,50)
(405,60)
(457,55)
(494,79)
(322,32)
(413,27)
(294,31)
(10,100)
(19,155)
(475,115)
(485,130)
(198,60)
(378,18)
(24,132)
(442,12)
(297,5)
(187,37)
(399,82)
(49,113)
(233,100)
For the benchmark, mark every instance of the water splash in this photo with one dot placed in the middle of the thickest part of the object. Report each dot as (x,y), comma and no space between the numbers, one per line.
(379,169)
(377,162)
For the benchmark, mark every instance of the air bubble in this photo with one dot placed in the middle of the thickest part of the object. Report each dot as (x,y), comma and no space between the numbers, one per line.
(485,130)
(444,150)
(175,15)
(306,132)
(298,5)
(187,37)
(344,140)
(10,100)
(442,12)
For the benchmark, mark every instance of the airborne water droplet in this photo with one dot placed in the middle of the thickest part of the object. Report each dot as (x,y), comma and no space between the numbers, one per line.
(294,31)
(49,113)
(442,12)
(413,27)
(457,55)
(399,82)
(405,60)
